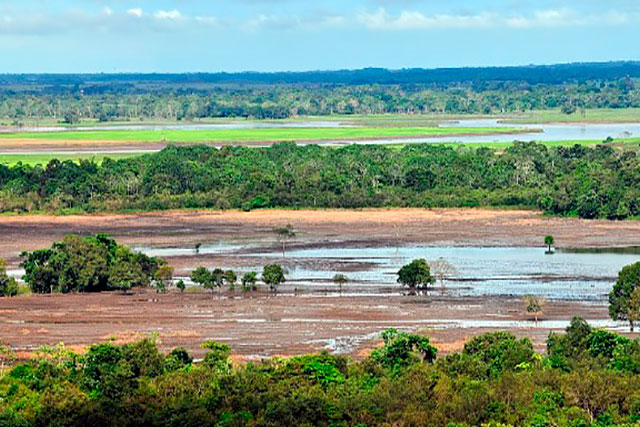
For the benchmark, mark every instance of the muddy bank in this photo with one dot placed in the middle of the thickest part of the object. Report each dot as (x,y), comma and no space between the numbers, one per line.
(263,325)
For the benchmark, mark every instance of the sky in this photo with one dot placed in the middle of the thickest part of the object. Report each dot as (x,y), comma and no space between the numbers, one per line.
(58,36)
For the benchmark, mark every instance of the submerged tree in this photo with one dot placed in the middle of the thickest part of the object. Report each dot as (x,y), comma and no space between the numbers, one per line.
(442,269)
(417,274)
(340,280)
(549,241)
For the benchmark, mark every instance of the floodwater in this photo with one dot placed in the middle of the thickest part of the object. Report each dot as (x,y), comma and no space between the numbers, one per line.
(537,132)
(567,274)
(190,126)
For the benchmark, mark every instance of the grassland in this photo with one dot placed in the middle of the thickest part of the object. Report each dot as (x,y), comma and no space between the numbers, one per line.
(256,135)
(43,158)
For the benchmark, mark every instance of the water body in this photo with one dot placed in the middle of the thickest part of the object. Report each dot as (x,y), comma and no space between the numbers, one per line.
(567,274)
(191,126)
(538,132)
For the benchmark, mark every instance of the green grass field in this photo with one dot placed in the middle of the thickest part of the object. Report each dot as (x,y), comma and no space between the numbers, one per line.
(253,135)
(43,159)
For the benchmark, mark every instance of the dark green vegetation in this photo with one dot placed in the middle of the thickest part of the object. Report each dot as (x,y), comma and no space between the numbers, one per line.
(588,377)
(8,285)
(624,299)
(598,182)
(70,98)
(91,264)
(417,274)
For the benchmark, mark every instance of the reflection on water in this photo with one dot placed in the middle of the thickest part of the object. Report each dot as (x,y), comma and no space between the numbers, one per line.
(568,274)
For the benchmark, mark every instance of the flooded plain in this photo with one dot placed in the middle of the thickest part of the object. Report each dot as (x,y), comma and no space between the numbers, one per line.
(582,275)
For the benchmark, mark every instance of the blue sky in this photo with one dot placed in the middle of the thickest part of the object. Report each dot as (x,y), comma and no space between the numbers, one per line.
(270,35)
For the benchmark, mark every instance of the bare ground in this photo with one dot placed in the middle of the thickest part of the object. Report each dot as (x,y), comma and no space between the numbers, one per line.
(261,325)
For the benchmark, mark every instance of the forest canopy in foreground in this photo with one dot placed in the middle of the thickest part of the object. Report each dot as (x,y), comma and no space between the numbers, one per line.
(599,182)
(587,377)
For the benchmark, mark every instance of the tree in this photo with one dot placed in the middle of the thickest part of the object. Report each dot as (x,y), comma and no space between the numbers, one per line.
(249,281)
(340,280)
(416,274)
(284,234)
(163,277)
(203,277)
(8,285)
(620,298)
(273,275)
(441,269)
(534,305)
(181,286)
(197,247)
(230,278)
(87,264)
(549,241)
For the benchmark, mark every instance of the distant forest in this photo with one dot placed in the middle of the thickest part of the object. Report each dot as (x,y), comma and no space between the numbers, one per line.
(600,182)
(108,97)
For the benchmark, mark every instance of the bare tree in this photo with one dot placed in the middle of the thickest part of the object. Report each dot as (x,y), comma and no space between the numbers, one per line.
(285,234)
(442,269)
(534,304)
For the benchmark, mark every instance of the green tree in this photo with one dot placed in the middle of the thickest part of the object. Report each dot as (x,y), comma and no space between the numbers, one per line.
(620,296)
(549,241)
(416,274)
(273,275)
(402,349)
(162,277)
(8,285)
(203,277)
(230,279)
(87,264)
(181,286)
(249,281)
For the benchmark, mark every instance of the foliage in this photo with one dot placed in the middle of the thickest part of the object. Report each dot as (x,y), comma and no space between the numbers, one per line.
(621,295)
(496,380)
(273,275)
(88,264)
(401,349)
(249,281)
(599,182)
(417,274)
(8,285)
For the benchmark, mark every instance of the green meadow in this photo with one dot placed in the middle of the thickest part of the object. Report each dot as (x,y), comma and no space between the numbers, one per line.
(256,135)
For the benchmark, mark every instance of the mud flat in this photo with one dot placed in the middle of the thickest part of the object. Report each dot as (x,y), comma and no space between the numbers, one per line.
(309,314)
(263,325)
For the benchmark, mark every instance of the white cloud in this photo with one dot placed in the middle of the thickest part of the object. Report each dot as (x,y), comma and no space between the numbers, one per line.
(168,14)
(137,12)
(107,11)
(415,20)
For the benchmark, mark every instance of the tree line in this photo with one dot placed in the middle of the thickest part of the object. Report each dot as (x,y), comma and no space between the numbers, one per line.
(598,182)
(70,104)
(587,377)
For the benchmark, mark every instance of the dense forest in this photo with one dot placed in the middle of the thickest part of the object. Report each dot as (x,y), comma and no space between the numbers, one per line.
(70,98)
(587,377)
(599,182)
